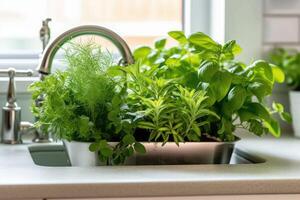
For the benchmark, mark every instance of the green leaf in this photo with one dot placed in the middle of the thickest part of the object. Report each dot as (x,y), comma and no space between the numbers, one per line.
(260,88)
(263,69)
(179,36)
(106,151)
(254,111)
(278,107)
(138,147)
(246,115)
(204,41)
(129,151)
(84,126)
(236,97)
(286,117)
(278,74)
(226,128)
(259,110)
(141,52)
(128,139)
(94,147)
(116,101)
(196,129)
(209,92)
(160,44)
(231,47)
(256,127)
(146,125)
(113,115)
(103,144)
(207,70)
(220,84)
(273,126)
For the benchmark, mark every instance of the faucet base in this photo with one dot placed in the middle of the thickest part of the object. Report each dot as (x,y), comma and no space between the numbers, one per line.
(42,140)
(12,142)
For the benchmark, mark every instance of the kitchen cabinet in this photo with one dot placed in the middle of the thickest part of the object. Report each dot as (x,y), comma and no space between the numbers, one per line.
(213,197)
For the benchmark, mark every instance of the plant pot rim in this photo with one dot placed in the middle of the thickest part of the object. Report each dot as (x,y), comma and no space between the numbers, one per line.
(294,91)
(153,142)
(82,142)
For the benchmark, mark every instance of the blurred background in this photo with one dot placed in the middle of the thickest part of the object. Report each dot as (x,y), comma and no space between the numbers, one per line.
(148,19)
(259,26)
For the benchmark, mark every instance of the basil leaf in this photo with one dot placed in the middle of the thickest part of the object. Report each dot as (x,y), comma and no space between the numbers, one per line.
(160,44)
(141,52)
(220,85)
(204,41)
(207,70)
(178,36)
(278,74)
(236,97)
(273,126)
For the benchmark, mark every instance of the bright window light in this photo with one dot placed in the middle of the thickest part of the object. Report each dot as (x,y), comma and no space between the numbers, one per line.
(137,21)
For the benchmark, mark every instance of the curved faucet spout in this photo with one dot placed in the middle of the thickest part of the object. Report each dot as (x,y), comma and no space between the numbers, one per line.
(46,61)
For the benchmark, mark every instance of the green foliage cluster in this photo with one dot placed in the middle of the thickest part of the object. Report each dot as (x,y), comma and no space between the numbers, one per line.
(168,110)
(209,79)
(289,62)
(84,103)
(194,91)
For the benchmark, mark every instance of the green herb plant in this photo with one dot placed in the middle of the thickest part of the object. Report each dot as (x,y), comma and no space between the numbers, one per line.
(85,103)
(197,87)
(289,62)
(169,111)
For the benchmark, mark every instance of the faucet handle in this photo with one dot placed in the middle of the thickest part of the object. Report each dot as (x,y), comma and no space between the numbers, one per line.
(11,91)
(45,32)
(12,72)
(47,20)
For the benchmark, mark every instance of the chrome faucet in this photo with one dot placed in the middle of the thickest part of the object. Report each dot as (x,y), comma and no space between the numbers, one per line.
(47,57)
(45,32)
(46,61)
(11,112)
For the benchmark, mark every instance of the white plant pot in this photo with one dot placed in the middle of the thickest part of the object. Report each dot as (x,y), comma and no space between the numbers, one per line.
(295,110)
(80,155)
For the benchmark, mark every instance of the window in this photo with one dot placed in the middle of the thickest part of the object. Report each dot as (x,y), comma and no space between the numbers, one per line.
(137,21)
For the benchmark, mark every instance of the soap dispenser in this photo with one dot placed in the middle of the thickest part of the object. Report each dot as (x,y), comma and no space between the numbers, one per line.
(11,112)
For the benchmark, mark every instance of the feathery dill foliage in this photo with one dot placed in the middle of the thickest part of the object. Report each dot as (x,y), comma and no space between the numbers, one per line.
(75,100)
(90,84)
(85,103)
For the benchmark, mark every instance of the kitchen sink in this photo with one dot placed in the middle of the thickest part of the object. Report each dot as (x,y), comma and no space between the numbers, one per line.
(56,156)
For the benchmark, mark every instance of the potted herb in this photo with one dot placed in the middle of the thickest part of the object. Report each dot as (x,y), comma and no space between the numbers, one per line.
(196,92)
(289,62)
(84,106)
(179,105)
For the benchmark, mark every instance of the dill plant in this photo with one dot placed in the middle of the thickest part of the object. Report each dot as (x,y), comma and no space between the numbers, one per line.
(84,103)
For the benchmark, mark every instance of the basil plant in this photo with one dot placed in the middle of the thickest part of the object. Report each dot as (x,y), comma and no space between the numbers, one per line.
(197,91)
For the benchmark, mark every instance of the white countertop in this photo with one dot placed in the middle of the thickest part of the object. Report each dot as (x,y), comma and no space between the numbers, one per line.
(21,178)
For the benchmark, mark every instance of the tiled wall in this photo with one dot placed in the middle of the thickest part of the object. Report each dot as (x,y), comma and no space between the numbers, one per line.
(281,24)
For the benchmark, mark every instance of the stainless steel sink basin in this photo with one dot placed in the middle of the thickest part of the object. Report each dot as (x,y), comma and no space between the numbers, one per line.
(49,155)
(56,155)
